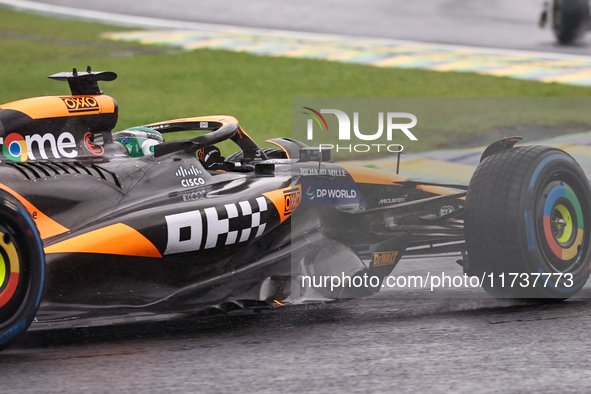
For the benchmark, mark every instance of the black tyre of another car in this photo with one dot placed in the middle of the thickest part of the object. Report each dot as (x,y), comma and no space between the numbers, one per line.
(527,221)
(22,269)
(570,19)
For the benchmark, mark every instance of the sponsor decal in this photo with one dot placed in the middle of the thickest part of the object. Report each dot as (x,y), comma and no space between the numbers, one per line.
(81,104)
(215,227)
(332,193)
(191,171)
(277,161)
(446,210)
(393,200)
(292,199)
(91,147)
(193,182)
(190,177)
(392,122)
(286,200)
(323,171)
(203,125)
(194,196)
(309,171)
(14,331)
(384,258)
(15,147)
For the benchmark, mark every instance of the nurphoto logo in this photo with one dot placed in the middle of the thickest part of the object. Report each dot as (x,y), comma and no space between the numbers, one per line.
(393,125)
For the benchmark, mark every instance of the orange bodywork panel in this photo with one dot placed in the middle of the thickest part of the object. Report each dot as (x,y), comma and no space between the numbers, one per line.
(286,200)
(47,227)
(380,177)
(62,106)
(119,239)
(370,175)
(436,189)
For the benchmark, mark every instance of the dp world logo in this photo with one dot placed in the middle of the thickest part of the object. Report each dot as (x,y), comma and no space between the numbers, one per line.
(394,123)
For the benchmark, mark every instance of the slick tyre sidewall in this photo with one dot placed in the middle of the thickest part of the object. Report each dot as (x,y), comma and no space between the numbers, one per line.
(555,171)
(506,229)
(22,272)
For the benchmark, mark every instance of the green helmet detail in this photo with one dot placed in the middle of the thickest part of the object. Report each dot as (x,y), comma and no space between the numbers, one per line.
(139,141)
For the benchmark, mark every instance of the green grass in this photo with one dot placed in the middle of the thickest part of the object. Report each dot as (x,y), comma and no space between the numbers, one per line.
(158,83)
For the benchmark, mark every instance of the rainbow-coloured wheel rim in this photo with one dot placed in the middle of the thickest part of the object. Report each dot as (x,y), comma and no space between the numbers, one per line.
(10,269)
(563,222)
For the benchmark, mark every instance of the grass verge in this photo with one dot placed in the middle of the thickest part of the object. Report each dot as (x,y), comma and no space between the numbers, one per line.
(157,83)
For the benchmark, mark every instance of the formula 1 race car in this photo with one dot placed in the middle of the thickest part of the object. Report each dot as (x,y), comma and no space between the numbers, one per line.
(101,228)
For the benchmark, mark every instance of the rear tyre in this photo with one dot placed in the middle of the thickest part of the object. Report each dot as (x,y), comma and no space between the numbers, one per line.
(570,19)
(526,212)
(22,269)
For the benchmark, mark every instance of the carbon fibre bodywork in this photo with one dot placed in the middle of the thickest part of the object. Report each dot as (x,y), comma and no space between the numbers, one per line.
(160,237)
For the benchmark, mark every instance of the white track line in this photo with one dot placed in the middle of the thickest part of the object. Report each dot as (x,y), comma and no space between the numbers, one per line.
(155,23)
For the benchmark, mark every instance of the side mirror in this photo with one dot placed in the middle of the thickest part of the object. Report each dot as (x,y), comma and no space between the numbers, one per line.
(315,154)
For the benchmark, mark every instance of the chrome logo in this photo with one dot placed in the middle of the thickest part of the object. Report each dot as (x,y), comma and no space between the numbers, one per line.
(15,148)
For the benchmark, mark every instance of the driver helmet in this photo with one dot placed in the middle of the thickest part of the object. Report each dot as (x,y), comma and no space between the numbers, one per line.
(139,141)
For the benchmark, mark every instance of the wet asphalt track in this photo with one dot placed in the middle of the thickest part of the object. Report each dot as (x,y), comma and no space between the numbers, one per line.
(507,24)
(413,344)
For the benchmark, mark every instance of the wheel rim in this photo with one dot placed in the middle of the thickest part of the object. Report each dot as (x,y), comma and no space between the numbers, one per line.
(561,222)
(563,225)
(12,289)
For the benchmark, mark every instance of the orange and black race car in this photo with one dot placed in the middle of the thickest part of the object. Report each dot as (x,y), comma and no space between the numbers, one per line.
(102,228)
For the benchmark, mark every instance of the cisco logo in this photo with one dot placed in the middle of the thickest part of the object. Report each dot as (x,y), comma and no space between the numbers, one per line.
(190,177)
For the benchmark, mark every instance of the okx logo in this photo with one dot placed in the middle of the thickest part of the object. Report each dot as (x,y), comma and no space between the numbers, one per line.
(392,124)
(216,227)
(81,104)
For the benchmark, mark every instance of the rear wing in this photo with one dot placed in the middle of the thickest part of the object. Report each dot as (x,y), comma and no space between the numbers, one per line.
(84,83)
